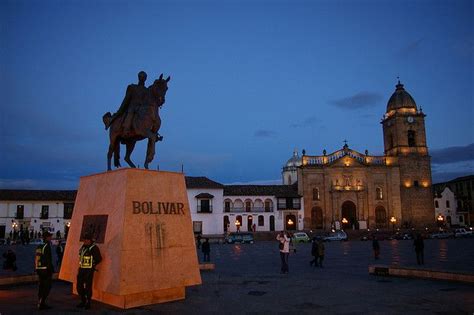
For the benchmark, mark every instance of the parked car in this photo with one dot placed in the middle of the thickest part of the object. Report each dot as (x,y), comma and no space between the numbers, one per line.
(300,237)
(442,234)
(239,238)
(37,241)
(335,236)
(462,232)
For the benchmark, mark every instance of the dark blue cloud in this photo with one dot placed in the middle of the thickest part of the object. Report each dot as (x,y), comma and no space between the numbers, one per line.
(453,154)
(359,100)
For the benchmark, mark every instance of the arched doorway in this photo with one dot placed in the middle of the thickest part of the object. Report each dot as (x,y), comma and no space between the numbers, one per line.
(290,222)
(226,223)
(317,218)
(348,215)
(380,217)
(272,223)
(249,223)
(238,223)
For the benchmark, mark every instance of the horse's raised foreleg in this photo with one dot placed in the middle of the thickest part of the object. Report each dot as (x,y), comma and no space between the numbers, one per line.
(150,151)
(117,155)
(113,143)
(130,144)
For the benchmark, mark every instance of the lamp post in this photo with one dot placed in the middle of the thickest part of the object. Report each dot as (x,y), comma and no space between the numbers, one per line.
(393,220)
(440,220)
(344,221)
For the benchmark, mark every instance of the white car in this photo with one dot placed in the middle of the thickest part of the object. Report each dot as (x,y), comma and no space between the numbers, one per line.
(462,232)
(335,236)
(442,234)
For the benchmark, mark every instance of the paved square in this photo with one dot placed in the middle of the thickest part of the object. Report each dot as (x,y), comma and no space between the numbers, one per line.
(247,280)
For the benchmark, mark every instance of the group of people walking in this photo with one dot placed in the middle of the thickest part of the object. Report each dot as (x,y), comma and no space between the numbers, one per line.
(318,249)
(284,245)
(89,258)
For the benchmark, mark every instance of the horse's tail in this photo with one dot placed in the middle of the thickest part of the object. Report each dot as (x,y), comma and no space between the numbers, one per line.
(107,119)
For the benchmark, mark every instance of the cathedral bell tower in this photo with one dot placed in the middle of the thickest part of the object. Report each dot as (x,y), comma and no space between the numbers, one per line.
(405,138)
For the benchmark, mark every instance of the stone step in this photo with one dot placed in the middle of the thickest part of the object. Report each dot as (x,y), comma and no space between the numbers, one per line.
(407,272)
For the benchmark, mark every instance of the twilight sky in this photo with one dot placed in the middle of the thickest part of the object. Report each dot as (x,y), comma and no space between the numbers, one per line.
(251,81)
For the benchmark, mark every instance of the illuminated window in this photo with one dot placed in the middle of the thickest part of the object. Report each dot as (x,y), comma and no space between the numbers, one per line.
(378,193)
(315,193)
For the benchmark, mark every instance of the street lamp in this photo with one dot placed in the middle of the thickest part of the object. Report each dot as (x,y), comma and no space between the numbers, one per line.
(393,220)
(440,220)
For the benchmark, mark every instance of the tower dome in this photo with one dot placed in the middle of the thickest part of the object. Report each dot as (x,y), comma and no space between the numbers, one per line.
(294,161)
(290,169)
(400,99)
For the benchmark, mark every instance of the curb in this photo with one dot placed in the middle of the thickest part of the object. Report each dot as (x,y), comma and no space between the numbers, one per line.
(31,278)
(406,272)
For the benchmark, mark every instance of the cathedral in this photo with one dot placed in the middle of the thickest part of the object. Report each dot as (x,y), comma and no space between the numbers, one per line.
(348,189)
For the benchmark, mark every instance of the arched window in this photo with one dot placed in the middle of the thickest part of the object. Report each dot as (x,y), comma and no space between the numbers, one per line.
(411,138)
(261,221)
(248,205)
(268,205)
(436,204)
(447,204)
(378,193)
(289,180)
(316,194)
(227,205)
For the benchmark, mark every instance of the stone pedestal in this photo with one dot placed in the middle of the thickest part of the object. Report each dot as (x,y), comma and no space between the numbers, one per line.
(142,225)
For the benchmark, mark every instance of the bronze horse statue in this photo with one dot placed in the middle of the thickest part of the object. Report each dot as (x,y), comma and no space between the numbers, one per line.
(146,123)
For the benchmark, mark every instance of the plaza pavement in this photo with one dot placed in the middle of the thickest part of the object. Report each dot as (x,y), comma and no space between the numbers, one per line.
(247,280)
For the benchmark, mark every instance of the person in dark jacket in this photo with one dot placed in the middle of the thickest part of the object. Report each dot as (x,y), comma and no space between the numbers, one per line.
(10,260)
(419,248)
(89,258)
(314,252)
(44,269)
(375,247)
(206,250)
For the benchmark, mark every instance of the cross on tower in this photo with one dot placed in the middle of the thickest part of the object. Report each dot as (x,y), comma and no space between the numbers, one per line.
(345,142)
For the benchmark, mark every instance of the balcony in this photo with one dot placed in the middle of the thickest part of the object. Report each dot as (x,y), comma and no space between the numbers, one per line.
(247,209)
(204,209)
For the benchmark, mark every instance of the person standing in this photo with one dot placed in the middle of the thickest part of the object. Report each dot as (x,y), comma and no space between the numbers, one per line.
(89,258)
(59,253)
(284,247)
(419,249)
(314,252)
(44,269)
(206,250)
(198,241)
(320,252)
(375,247)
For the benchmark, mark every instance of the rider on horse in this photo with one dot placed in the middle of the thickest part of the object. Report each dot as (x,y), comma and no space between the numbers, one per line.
(134,98)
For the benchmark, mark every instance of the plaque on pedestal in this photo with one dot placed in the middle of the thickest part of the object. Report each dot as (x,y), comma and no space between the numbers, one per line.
(142,225)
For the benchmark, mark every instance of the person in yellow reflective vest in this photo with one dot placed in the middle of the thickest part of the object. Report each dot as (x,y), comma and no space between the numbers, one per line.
(89,258)
(44,269)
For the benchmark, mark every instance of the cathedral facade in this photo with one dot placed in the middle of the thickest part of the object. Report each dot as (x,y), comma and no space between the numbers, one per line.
(349,189)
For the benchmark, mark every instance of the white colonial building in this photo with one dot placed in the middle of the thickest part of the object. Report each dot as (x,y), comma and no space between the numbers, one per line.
(446,208)
(262,208)
(206,203)
(215,208)
(35,210)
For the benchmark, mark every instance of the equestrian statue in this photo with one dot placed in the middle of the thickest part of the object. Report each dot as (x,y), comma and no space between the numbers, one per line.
(138,118)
